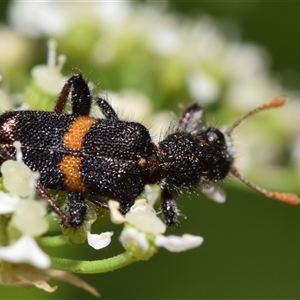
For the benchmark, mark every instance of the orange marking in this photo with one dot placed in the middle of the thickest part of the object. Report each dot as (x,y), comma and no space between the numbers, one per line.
(69,166)
(73,138)
(142,162)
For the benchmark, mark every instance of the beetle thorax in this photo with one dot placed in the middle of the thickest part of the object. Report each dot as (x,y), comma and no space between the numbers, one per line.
(189,159)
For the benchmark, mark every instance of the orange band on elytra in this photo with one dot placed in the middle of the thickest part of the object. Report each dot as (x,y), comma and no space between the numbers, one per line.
(70,167)
(74,137)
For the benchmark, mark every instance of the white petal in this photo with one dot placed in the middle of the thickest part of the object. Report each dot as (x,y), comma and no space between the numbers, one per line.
(25,250)
(143,217)
(131,236)
(178,244)
(43,74)
(18,178)
(151,194)
(139,205)
(36,19)
(203,87)
(146,221)
(215,193)
(30,217)
(115,215)
(99,241)
(8,203)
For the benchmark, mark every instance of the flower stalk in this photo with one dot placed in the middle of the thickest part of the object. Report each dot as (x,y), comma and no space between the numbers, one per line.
(93,267)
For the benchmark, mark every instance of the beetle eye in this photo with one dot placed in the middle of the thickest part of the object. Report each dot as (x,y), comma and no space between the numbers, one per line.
(214,136)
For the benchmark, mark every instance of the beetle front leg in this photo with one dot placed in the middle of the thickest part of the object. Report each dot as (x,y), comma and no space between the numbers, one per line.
(171,212)
(193,119)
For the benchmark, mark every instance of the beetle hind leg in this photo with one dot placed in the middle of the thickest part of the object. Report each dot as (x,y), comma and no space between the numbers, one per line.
(80,96)
(76,209)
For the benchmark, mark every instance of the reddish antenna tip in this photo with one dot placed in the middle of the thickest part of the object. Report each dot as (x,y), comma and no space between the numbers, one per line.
(276,102)
(287,198)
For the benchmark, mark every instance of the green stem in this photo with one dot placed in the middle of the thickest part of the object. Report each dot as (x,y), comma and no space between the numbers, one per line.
(54,241)
(3,230)
(93,267)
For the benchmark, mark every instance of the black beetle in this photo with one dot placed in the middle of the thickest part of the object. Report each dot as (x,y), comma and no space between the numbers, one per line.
(98,159)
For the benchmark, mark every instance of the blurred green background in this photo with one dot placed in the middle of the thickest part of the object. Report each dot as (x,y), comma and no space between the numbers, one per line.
(251,244)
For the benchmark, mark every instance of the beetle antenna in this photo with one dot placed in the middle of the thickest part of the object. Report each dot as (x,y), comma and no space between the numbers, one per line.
(288,198)
(276,102)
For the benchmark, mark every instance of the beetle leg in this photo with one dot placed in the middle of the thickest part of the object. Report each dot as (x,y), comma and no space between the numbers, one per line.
(76,209)
(98,202)
(125,205)
(5,154)
(63,97)
(81,96)
(106,109)
(51,202)
(170,211)
(193,119)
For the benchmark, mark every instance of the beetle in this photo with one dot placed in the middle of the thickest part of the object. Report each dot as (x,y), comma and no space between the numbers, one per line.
(98,159)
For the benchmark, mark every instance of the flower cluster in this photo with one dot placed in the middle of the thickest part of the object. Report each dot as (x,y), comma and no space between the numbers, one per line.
(28,215)
(22,220)
(143,231)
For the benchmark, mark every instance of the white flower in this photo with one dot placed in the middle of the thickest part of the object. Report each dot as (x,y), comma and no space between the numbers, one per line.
(142,216)
(18,179)
(203,88)
(25,250)
(8,203)
(13,48)
(30,217)
(48,77)
(144,230)
(131,236)
(130,104)
(99,241)
(214,192)
(37,19)
(113,14)
(178,244)
(166,41)
(115,215)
